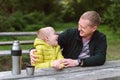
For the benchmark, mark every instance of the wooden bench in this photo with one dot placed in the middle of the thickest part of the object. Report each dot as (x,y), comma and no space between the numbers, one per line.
(16,34)
(24,42)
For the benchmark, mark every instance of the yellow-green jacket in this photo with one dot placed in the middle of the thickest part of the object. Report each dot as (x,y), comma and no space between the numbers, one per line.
(46,53)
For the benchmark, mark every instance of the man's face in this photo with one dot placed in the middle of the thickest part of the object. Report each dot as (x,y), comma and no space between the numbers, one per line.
(85,28)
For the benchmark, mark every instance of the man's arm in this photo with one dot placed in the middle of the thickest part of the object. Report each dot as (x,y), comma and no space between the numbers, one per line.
(98,53)
(33,57)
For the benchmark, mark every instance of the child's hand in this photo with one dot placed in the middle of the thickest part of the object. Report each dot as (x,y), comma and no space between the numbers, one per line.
(57,65)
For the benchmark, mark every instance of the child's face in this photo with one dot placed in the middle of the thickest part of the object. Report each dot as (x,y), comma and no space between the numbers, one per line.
(53,38)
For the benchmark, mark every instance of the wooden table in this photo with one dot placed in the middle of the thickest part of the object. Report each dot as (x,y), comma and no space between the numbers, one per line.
(109,71)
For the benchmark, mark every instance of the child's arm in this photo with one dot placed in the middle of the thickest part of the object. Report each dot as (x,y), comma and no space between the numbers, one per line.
(54,64)
(59,53)
(57,64)
(44,64)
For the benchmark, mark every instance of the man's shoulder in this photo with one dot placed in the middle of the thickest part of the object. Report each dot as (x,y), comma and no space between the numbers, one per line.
(98,33)
(68,34)
(71,30)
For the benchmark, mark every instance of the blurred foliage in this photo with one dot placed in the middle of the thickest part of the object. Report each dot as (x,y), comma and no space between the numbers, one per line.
(112,16)
(25,15)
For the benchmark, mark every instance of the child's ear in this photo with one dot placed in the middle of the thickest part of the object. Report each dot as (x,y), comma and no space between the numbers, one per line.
(46,38)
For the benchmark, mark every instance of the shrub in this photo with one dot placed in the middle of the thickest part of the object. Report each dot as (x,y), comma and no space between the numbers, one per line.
(5,25)
(26,22)
(112,16)
(34,17)
(17,22)
(34,27)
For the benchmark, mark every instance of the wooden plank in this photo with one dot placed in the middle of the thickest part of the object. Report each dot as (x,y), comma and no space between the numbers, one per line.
(8,52)
(11,42)
(20,33)
(17,33)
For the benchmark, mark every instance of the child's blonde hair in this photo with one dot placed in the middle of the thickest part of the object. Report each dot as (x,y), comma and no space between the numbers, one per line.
(44,32)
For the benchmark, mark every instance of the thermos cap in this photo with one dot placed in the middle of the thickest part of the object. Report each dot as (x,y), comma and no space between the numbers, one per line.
(16,45)
(16,50)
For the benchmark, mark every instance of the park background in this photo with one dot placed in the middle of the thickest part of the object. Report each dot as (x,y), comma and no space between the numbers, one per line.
(30,15)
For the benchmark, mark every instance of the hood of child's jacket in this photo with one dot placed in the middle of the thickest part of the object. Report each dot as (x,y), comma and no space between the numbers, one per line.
(40,42)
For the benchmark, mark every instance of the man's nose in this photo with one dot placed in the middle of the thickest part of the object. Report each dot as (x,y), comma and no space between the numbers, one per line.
(79,28)
(57,36)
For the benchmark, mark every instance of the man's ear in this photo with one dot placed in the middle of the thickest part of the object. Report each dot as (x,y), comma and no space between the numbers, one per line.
(94,28)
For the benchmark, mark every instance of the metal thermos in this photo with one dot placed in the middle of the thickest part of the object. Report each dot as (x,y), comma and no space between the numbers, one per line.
(16,53)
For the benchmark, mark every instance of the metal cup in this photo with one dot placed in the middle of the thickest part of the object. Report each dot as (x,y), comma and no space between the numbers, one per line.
(30,70)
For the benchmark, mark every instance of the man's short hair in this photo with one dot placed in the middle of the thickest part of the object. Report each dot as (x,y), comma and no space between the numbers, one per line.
(92,16)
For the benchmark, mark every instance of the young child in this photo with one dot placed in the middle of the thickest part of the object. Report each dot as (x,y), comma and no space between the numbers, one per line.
(47,48)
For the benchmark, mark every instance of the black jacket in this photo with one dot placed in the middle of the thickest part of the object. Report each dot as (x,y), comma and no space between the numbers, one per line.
(71,42)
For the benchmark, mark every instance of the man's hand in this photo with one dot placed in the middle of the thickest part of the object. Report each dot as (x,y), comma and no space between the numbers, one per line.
(69,62)
(33,57)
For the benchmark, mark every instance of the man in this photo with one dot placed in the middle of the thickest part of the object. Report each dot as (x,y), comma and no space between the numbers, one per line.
(84,46)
